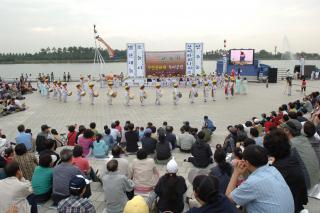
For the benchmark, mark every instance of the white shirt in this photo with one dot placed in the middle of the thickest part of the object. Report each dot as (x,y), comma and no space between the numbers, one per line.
(115,133)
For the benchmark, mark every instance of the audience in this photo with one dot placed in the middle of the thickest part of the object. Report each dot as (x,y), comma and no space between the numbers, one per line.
(99,148)
(107,137)
(115,187)
(163,150)
(27,161)
(170,190)
(207,193)
(148,143)
(24,138)
(185,140)
(144,172)
(72,135)
(264,190)
(86,141)
(279,148)
(201,152)
(42,179)
(132,138)
(309,130)
(76,202)
(42,137)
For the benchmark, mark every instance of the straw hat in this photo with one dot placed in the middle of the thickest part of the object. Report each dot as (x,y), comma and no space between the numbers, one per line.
(91,84)
(214,81)
(206,83)
(64,84)
(78,85)
(194,84)
(110,83)
(175,85)
(55,81)
(232,78)
(127,87)
(158,85)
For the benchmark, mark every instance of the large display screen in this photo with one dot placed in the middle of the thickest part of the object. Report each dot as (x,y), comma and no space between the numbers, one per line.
(241,57)
(165,63)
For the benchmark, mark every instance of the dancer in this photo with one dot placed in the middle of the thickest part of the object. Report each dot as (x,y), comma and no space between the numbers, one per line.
(206,90)
(59,89)
(214,89)
(55,89)
(111,93)
(232,86)
(158,93)
(80,93)
(226,87)
(82,82)
(244,85)
(127,95)
(92,94)
(65,93)
(289,84)
(143,95)
(176,94)
(47,88)
(193,92)
(238,85)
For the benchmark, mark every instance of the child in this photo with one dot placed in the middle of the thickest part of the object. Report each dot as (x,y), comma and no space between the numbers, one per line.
(193,92)
(214,89)
(244,85)
(206,91)
(303,86)
(158,93)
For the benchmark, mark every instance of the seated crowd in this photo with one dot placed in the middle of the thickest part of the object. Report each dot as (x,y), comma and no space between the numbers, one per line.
(269,164)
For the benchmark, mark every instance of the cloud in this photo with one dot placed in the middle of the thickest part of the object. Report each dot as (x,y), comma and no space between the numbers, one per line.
(41,29)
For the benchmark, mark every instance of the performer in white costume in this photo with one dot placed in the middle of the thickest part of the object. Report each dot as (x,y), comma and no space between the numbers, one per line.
(128,96)
(80,93)
(47,88)
(92,94)
(214,89)
(206,91)
(65,93)
(226,87)
(111,92)
(55,89)
(59,90)
(176,94)
(193,92)
(142,94)
(158,93)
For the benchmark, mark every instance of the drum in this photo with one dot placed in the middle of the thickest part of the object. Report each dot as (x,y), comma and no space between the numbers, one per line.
(180,95)
(51,90)
(114,94)
(196,94)
(83,93)
(69,93)
(145,95)
(95,94)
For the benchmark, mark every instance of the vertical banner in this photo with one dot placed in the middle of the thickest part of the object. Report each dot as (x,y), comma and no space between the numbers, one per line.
(224,63)
(131,59)
(189,59)
(198,56)
(140,60)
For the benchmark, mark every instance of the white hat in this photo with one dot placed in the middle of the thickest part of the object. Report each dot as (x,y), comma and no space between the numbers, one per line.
(172,166)
(256,121)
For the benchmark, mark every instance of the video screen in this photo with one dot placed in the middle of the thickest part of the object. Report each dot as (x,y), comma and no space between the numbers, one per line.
(241,57)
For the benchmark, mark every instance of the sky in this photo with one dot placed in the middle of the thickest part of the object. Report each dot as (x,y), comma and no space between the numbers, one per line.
(29,25)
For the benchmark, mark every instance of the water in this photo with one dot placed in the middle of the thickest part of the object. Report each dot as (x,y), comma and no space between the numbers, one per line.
(15,70)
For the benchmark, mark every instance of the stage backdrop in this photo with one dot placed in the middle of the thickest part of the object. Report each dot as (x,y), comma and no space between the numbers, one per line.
(165,63)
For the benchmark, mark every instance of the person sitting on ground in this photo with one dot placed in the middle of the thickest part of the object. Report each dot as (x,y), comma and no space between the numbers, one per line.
(118,126)
(115,187)
(148,143)
(92,126)
(209,124)
(230,141)
(15,190)
(240,131)
(279,148)
(49,149)
(141,132)
(3,163)
(62,174)
(86,141)
(107,137)
(42,137)
(42,179)
(300,117)
(57,138)
(115,133)
(24,138)
(247,142)
(171,137)
(76,202)
(207,193)
(123,163)
(99,147)
(132,139)
(8,155)
(80,133)
(79,161)
(254,133)
(201,152)
(306,154)
(185,141)
(309,130)
(163,150)
(144,172)
(170,189)
(72,135)
(222,170)
(27,161)
(264,190)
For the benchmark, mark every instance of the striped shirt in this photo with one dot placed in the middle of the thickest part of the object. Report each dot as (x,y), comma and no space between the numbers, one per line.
(264,191)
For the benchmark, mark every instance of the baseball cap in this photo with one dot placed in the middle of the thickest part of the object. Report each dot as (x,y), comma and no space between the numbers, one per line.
(293,125)
(172,166)
(78,182)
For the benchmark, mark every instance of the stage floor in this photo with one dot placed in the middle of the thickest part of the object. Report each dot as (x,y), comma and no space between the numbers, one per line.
(223,112)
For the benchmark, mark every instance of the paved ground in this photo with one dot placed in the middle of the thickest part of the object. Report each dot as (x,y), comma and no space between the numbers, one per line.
(224,112)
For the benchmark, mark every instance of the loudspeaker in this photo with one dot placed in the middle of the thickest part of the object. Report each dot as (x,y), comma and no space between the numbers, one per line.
(272,75)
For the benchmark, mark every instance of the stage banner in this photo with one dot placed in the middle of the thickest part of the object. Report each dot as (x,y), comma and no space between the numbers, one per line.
(189,58)
(165,63)
(131,59)
(198,56)
(140,62)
